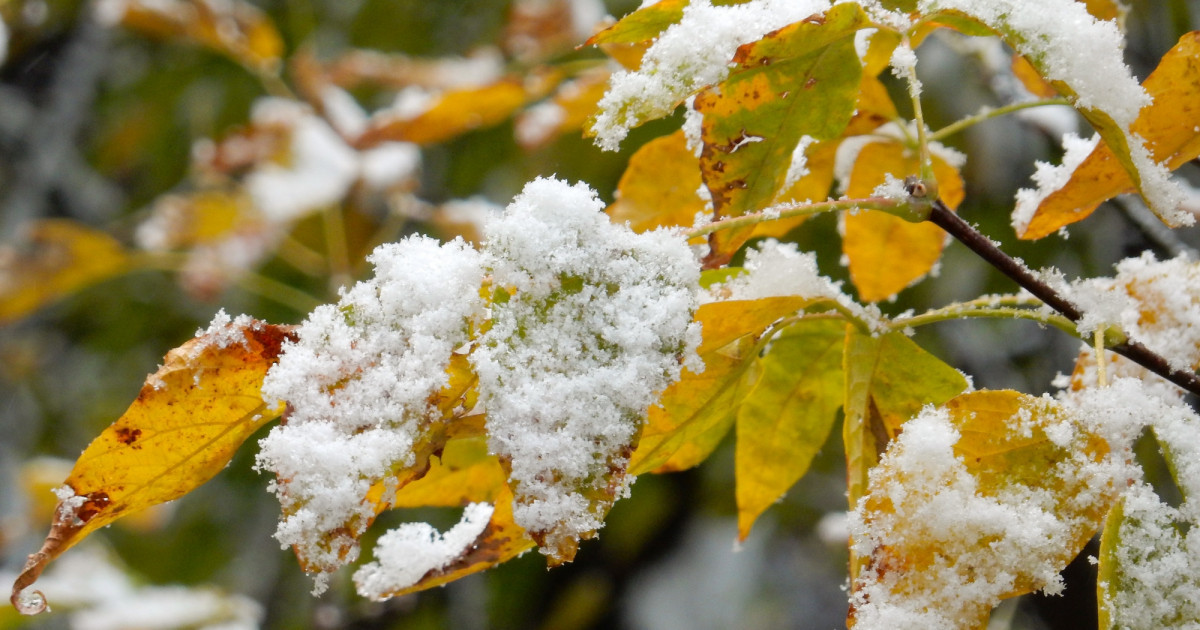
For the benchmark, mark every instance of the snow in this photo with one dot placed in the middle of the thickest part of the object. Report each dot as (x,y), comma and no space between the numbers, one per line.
(599,320)
(687,57)
(405,554)
(799,165)
(1155,302)
(358,381)
(1049,178)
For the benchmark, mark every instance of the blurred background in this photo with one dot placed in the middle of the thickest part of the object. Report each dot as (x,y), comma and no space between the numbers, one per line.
(163,159)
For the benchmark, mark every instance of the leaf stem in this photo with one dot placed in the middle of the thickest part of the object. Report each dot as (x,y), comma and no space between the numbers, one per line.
(336,248)
(991,112)
(962,311)
(791,209)
(985,248)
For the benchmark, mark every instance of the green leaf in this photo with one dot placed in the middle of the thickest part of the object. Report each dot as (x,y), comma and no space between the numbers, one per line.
(797,81)
(787,416)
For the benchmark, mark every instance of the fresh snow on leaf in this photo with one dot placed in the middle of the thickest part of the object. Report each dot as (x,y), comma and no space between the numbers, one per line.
(970,505)
(358,383)
(1050,178)
(405,554)
(597,322)
(1155,302)
(687,57)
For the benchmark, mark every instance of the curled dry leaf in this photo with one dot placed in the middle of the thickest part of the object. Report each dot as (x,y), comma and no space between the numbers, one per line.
(189,419)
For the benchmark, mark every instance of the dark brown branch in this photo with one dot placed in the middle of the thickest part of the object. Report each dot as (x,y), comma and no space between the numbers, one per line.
(942,217)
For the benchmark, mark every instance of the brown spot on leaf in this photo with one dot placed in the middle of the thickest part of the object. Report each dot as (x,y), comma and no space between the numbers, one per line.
(128,436)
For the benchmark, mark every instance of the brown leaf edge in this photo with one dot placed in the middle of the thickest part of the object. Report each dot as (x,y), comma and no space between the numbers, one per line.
(67,521)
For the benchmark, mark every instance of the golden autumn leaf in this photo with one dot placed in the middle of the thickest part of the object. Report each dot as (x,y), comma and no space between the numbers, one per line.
(996,491)
(1170,125)
(659,187)
(887,253)
(456,112)
(693,415)
(788,414)
(1029,77)
(58,257)
(642,25)
(501,541)
(236,29)
(812,186)
(187,422)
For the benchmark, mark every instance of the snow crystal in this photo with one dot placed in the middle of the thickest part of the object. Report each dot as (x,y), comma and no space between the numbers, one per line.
(224,331)
(595,322)
(688,56)
(798,168)
(358,381)
(891,188)
(1049,178)
(405,554)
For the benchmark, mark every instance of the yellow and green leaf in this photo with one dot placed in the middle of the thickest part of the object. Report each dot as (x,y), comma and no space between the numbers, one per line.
(788,414)
(186,424)
(797,81)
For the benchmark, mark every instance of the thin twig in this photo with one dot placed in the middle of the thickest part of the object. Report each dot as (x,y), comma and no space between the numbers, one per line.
(941,216)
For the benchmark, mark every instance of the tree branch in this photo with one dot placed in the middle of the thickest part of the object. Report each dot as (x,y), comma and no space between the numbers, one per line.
(942,217)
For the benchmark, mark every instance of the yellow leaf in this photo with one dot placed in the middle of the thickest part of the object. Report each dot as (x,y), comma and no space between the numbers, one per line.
(187,422)
(454,113)
(204,216)
(58,258)
(887,253)
(800,80)
(659,186)
(724,322)
(694,414)
(1029,77)
(1170,125)
(642,25)
(788,414)
(1023,506)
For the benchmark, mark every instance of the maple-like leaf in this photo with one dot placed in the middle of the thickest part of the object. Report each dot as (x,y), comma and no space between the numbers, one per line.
(1170,126)
(798,81)
(187,422)
(58,257)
